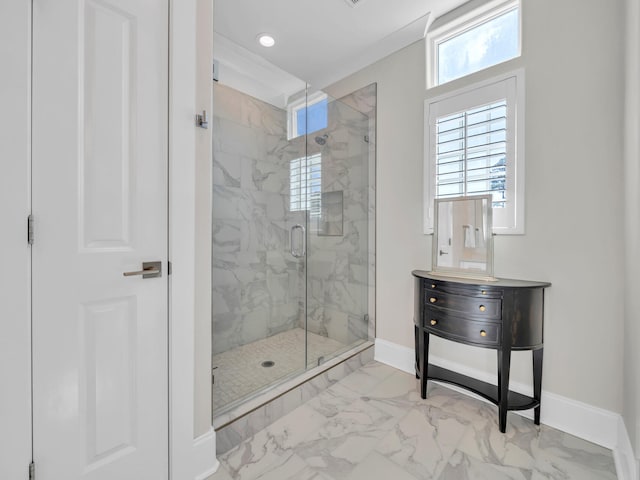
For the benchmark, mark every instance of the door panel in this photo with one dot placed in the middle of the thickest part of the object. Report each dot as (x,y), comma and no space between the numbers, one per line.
(100,360)
(108,346)
(109,51)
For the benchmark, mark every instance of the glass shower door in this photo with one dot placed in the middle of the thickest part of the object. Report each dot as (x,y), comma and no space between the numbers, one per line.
(339,236)
(292,251)
(258,250)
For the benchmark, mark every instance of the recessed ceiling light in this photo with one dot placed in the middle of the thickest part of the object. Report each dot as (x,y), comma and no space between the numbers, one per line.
(266,40)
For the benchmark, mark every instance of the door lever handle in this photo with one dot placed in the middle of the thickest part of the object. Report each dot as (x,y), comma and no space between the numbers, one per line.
(149,270)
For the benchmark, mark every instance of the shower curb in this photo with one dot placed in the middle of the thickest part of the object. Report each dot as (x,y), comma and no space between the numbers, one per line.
(244,421)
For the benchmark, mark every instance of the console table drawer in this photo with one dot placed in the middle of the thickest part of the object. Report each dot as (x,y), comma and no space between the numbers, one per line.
(484,291)
(478,307)
(461,329)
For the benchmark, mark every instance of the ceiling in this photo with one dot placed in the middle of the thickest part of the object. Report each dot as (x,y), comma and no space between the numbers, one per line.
(322,41)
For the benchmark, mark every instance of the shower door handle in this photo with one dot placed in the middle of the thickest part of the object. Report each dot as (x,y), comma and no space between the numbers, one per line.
(294,251)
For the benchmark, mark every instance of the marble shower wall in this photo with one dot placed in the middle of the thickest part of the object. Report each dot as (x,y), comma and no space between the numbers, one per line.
(257,285)
(340,268)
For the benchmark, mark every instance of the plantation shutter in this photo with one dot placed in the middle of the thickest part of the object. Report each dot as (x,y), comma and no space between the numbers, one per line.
(471,149)
(305,180)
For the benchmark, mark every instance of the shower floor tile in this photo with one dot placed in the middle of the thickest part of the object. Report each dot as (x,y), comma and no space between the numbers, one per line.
(239,372)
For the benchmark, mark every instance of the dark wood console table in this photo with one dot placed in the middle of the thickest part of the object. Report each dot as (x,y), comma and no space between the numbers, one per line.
(504,315)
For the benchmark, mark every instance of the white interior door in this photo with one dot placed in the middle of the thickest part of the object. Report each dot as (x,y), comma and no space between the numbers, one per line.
(100,358)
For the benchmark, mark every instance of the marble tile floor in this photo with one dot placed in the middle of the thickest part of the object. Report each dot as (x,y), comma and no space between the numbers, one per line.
(373,425)
(239,371)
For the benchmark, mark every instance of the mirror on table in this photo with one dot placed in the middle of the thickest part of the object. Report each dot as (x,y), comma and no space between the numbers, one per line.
(463,238)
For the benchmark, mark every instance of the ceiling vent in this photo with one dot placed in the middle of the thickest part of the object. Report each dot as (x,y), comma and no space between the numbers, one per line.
(354,3)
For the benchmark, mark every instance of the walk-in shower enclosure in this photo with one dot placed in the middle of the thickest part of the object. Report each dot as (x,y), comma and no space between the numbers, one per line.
(293,233)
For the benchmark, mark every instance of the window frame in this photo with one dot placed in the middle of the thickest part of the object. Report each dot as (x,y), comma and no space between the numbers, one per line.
(464,22)
(510,221)
(294,107)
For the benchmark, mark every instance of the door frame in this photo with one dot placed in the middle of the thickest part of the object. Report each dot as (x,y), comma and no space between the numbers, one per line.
(192,453)
(15,254)
(191,456)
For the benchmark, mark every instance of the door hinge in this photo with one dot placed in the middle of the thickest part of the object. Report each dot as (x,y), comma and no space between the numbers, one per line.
(202,120)
(30,230)
(168,268)
(32,471)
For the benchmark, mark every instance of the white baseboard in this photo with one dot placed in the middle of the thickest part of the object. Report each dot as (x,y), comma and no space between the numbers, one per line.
(208,473)
(590,423)
(394,355)
(205,452)
(626,463)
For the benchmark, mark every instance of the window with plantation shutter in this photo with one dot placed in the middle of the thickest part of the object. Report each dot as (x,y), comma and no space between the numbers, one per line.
(305,180)
(474,147)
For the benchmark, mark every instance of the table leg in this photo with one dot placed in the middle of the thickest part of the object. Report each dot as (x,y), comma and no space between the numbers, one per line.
(537,383)
(504,363)
(424,361)
(416,332)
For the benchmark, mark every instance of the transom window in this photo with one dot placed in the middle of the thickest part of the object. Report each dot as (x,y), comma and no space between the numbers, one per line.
(307,115)
(475,140)
(473,41)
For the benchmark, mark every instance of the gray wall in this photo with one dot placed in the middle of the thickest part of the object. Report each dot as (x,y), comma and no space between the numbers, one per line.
(400,244)
(202,247)
(631,381)
(574,194)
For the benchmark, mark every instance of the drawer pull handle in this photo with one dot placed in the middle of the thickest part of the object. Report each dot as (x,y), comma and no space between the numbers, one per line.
(434,322)
(482,308)
(484,292)
(433,300)
(433,285)
(483,333)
